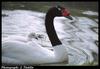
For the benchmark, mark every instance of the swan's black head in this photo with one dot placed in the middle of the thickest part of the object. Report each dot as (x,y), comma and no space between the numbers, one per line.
(59,11)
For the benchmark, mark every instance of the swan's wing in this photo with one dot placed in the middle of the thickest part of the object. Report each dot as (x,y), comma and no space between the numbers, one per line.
(23,53)
(15,38)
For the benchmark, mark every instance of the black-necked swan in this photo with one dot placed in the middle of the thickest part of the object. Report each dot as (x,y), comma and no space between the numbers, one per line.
(19,52)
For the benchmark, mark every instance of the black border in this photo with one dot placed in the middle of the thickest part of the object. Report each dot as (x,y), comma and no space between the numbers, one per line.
(54,67)
(48,0)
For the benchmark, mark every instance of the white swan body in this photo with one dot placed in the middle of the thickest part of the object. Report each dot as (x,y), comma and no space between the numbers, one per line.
(17,50)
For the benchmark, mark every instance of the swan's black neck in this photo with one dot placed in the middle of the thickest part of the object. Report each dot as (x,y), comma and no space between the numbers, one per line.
(51,30)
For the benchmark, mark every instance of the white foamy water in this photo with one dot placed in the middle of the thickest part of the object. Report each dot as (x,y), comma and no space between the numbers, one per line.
(78,37)
(91,13)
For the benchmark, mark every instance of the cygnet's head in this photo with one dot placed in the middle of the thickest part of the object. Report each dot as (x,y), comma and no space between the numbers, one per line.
(31,35)
(35,36)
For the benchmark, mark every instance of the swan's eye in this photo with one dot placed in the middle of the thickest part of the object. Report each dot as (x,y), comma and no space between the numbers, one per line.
(59,9)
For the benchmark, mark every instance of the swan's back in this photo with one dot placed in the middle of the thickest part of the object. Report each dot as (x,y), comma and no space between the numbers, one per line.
(24,53)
